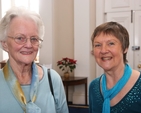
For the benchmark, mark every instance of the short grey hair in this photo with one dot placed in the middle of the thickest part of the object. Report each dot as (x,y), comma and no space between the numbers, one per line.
(20,12)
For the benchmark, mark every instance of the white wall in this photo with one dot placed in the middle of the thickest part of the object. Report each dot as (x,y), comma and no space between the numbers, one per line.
(46,12)
(99,20)
(83,25)
(1,51)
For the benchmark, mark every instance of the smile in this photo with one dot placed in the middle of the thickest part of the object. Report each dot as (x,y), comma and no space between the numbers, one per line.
(26,53)
(106,58)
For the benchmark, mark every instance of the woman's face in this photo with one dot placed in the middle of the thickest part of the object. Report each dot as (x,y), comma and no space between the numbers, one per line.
(24,53)
(108,52)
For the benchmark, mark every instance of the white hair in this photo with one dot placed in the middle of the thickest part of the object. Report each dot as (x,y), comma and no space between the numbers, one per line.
(20,12)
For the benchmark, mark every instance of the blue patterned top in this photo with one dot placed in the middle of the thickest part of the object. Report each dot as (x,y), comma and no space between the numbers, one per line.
(130,103)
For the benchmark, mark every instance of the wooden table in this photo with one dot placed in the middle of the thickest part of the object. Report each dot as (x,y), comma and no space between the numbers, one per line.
(2,64)
(72,81)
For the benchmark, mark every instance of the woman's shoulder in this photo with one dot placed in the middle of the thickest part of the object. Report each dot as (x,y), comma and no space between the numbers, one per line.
(136,76)
(1,74)
(95,82)
(136,72)
(54,74)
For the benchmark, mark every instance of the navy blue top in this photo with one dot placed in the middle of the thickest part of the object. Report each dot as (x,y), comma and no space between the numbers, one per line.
(130,103)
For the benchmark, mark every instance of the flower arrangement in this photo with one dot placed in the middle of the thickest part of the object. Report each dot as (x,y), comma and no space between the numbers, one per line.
(67,64)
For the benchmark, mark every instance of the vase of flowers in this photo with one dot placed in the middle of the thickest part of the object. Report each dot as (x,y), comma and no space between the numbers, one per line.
(67,65)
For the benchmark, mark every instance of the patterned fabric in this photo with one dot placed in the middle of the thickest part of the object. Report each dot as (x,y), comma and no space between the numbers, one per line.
(109,94)
(44,99)
(17,91)
(130,103)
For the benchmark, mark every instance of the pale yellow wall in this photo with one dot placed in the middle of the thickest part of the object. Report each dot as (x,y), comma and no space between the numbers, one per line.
(84,23)
(92,27)
(63,30)
(63,23)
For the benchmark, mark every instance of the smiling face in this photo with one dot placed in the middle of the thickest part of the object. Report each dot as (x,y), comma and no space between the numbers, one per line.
(27,52)
(108,51)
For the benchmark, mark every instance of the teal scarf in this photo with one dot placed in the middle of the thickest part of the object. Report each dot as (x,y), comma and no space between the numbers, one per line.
(14,85)
(111,93)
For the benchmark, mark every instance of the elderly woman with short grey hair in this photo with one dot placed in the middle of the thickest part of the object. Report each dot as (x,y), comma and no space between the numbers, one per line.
(24,85)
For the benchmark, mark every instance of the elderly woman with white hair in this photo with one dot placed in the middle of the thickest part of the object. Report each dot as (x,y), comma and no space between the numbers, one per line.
(24,85)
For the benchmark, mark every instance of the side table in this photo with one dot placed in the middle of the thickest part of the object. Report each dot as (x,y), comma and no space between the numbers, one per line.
(72,81)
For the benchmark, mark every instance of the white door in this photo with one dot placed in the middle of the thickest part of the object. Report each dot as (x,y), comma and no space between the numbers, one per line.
(119,5)
(133,25)
(124,18)
(120,11)
(137,40)
(137,5)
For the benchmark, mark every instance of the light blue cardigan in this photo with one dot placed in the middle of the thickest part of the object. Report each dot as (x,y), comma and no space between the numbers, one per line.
(45,100)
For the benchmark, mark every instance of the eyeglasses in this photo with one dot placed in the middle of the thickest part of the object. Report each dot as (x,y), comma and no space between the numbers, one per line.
(21,39)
